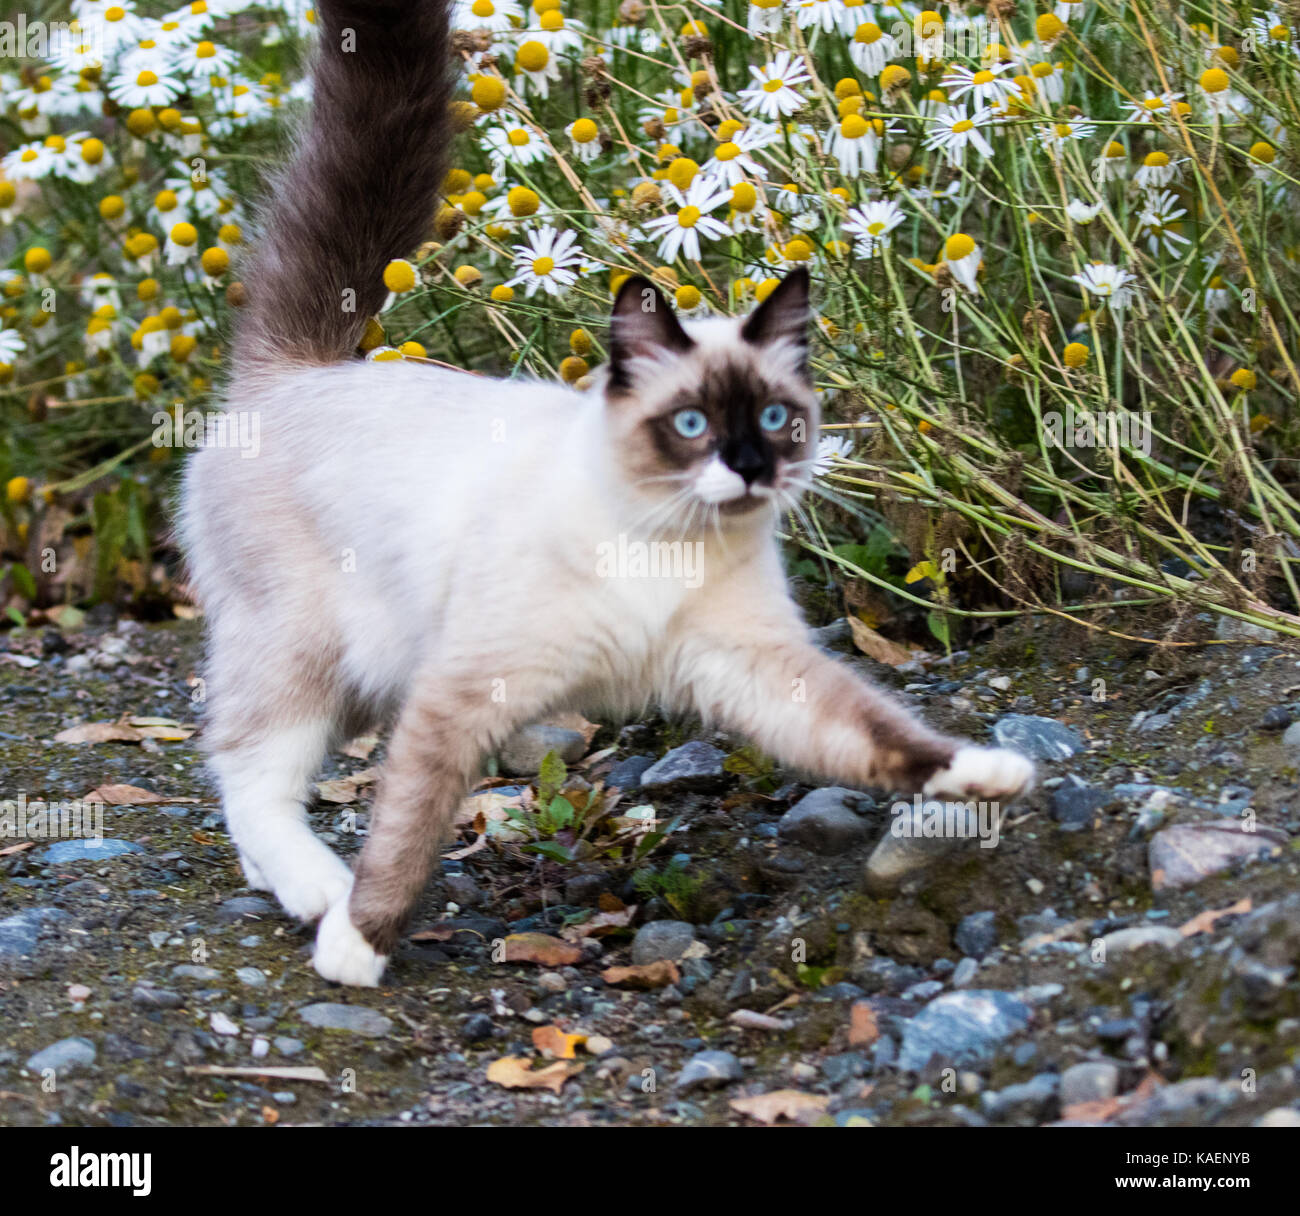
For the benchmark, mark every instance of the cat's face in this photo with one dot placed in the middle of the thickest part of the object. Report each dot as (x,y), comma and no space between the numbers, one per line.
(715,421)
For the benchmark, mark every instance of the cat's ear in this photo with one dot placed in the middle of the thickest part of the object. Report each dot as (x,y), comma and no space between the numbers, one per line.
(784,316)
(642,325)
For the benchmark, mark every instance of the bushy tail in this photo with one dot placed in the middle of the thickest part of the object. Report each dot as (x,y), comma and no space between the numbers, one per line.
(361,186)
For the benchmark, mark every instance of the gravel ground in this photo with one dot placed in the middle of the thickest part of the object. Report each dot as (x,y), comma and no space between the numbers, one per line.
(1127,953)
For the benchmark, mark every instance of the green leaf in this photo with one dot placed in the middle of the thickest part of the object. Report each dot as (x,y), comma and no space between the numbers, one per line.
(560,812)
(551,777)
(549,848)
(938,622)
(23,581)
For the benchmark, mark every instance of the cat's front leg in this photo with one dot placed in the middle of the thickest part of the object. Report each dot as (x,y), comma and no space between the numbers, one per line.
(762,677)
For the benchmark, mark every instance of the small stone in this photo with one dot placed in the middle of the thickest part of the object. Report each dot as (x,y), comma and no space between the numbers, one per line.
(693,767)
(261,1048)
(1124,941)
(977,934)
(477,1027)
(626,774)
(1035,1100)
(222,1025)
(148,997)
(1291,737)
(20,933)
(1276,717)
(62,852)
(65,1056)
(1184,854)
(1001,683)
(190,971)
(287,1046)
(709,1070)
(78,993)
(1279,1116)
(962,1028)
(522,755)
(662,939)
(252,977)
(598,1045)
(1036,737)
(964,972)
(1091,1081)
(244,907)
(552,981)
(464,890)
(355,1018)
(828,821)
(1076,806)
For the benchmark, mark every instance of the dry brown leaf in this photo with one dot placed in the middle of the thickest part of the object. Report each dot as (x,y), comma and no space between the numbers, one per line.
(513,1072)
(878,647)
(788,1104)
(1204,922)
(469,849)
(346,789)
(270,1115)
(125,795)
(17,848)
(863,1030)
(166,730)
(553,1043)
(99,732)
(658,974)
(488,806)
(541,948)
(600,925)
(360,747)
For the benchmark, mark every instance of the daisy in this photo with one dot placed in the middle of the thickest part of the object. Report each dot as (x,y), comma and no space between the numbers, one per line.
(205,59)
(831,449)
(144,88)
(871,225)
(1082,213)
(679,233)
(954,130)
(555,33)
(496,16)
(29,162)
(773,95)
(985,84)
(748,210)
(11,343)
(536,67)
(1158,222)
(1156,171)
(546,261)
(1050,81)
(111,26)
(765,17)
(1217,296)
(962,257)
(182,244)
(1111,164)
(1152,106)
(856,143)
(852,14)
(731,162)
(515,145)
(871,48)
(1056,136)
(584,139)
(1272,33)
(1107,283)
(824,15)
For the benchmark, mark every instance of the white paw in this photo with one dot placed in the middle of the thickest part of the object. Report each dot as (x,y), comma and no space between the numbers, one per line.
(317,881)
(983,773)
(343,955)
(257,881)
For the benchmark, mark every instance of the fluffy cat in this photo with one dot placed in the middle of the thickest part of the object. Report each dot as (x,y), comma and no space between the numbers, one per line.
(421,546)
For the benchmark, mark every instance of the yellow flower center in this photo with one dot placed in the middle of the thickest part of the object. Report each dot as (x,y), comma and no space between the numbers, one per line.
(532,57)
(584,131)
(1154,103)
(518,137)
(744,197)
(205,50)
(867,33)
(551,21)
(184,235)
(958,246)
(1156,160)
(984,77)
(688,217)
(543,266)
(483,8)
(1215,80)
(853,127)
(146,78)
(727,151)
(773,86)
(963,126)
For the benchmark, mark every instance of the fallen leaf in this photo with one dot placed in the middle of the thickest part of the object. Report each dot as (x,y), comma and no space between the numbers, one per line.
(600,925)
(346,789)
(1204,922)
(863,1030)
(270,1115)
(513,1072)
(125,795)
(783,1104)
(360,747)
(553,1043)
(20,660)
(878,647)
(458,854)
(658,974)
(540,948)
(167,730)
(99,732)
(17,848)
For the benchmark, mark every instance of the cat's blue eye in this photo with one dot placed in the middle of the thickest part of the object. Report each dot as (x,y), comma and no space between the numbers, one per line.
(773,417)
(690,424)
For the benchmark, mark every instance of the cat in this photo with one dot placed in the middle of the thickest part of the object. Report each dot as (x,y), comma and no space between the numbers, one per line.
(420,545)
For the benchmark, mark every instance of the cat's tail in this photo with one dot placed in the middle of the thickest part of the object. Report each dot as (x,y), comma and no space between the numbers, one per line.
(361,186)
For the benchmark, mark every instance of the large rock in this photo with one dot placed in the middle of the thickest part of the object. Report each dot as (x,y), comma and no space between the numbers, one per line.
(64,851)
(1188,852)
(662,939)
(1035,737)
(962,1028)
(523,753)
(355,1018)
(693,767)
(20,939)
(827,821)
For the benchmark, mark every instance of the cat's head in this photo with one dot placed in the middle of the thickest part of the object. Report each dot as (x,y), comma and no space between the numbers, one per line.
(716,420)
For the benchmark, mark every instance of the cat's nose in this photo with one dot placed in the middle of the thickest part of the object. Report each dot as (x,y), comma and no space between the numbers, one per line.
(748,463)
